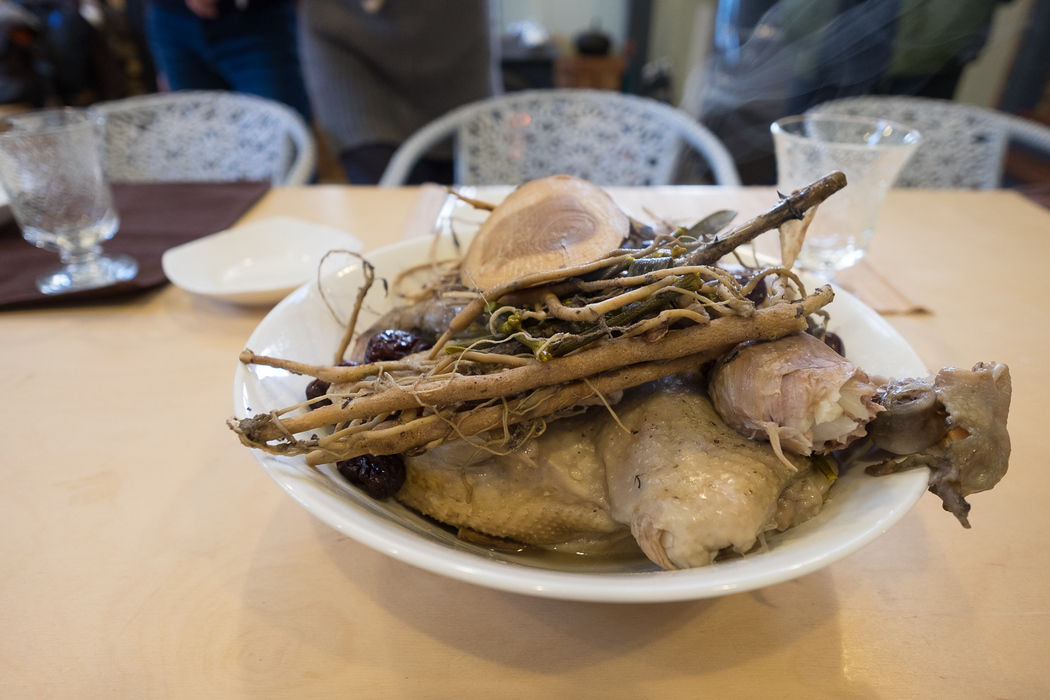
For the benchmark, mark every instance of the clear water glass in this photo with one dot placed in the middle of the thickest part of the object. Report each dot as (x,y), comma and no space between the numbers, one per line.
(51,165)
(870,152)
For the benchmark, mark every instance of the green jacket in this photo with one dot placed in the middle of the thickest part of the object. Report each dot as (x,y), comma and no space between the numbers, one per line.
(929,33)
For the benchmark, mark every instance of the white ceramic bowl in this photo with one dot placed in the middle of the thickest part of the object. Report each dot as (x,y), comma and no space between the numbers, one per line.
(257,263)
(301,327)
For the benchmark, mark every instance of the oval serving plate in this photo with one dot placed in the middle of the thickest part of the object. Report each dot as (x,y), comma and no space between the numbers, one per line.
(301,327)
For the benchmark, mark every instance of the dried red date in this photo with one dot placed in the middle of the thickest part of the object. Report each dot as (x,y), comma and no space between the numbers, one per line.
(318,388)
(833,341)
(380,476)
(759,294)
(315,389)
(393,344)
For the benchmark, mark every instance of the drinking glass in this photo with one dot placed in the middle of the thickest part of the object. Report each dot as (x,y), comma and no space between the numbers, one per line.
(51,166)
(870,152)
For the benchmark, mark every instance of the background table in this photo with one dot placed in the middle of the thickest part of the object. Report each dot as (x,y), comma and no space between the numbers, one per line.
(144,554)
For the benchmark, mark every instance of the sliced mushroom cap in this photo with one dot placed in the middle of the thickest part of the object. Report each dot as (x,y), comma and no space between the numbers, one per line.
(546,224)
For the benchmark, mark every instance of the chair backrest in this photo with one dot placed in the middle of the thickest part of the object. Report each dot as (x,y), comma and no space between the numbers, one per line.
(963,147)
(206,135)
(603,136)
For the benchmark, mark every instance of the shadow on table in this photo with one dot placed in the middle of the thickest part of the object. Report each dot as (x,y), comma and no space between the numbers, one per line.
(542,636)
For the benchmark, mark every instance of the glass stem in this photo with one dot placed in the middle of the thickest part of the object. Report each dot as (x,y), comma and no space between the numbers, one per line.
(79,256)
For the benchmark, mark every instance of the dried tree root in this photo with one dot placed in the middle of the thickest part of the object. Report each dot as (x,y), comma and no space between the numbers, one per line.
(790,208)
(768,323)
(475,308)
(418,402)
(334,374)
(421,432)
(348,333)
(476,203)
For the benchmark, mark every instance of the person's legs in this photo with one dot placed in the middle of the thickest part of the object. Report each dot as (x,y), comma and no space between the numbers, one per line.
(364,165)
(179,51)
(256,53)
(434,170)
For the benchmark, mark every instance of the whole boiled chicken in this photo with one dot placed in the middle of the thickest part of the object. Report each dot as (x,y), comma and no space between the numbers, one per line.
(669,471)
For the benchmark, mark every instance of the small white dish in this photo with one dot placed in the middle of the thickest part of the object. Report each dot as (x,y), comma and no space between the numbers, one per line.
(257,263)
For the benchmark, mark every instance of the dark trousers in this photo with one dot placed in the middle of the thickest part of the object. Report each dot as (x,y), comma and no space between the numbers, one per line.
(364,165)
(253,51)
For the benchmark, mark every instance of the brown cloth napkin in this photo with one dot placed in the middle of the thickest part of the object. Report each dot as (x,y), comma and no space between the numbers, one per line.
(154,217)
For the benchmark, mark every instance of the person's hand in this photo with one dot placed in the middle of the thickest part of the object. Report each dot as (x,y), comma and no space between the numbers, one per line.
(208,9)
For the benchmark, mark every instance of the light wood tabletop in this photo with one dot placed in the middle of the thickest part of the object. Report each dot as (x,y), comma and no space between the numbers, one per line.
(145,554)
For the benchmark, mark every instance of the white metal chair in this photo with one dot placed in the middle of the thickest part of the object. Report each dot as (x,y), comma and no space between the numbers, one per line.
(206,135)
(606,137)
(963,147)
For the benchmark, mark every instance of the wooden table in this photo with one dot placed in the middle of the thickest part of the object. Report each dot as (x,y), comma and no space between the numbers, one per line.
(144,554)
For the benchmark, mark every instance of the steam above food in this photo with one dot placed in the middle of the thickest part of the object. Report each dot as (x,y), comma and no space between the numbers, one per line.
(563,391)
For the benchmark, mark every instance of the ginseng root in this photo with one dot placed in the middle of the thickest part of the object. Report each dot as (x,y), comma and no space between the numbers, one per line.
(552,340)
(769,323)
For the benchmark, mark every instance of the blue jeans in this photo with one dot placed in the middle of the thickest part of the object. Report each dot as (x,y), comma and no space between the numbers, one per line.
(253,51)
